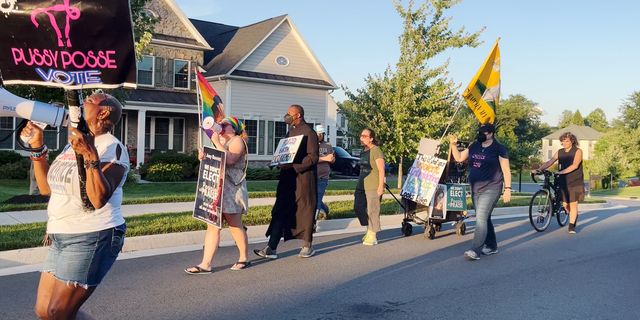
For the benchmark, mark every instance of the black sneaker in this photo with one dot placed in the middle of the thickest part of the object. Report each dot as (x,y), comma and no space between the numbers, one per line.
(267,252)
(572,228)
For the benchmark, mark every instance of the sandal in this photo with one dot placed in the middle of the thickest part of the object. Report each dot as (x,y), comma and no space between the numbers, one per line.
(244,264)
(199,270)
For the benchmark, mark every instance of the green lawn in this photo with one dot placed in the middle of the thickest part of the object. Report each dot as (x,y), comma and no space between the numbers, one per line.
(622,192)
(31,234)
(143,193)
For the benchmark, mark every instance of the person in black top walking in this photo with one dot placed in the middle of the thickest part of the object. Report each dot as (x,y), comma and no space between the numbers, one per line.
(489,175)
(571,176)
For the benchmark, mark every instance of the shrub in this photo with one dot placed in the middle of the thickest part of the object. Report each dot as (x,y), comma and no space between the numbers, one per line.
(188,162)
(8,156)
(262,174)
(15,170)
(131,178)
(165,172)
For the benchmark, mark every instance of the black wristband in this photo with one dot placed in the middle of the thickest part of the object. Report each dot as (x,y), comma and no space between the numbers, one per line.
(91,164)
(507,187)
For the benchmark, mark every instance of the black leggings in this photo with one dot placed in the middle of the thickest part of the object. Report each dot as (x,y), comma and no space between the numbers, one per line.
(276,234)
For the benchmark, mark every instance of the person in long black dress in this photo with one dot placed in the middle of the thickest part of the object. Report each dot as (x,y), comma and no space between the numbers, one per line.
(571,176)
(293,214)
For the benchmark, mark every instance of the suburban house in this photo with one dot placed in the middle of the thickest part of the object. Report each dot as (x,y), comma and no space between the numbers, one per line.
(587,138)
(259,71)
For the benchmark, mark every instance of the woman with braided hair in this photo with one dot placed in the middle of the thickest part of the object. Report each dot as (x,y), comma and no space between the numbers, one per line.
(235,201)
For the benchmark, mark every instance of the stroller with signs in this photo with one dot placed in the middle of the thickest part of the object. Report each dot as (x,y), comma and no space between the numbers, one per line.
(433,218)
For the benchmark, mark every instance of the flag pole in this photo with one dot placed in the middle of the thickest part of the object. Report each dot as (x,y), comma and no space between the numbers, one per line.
(199,94)
(451,121)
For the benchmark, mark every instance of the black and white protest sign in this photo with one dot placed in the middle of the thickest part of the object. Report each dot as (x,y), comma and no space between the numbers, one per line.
(208,205)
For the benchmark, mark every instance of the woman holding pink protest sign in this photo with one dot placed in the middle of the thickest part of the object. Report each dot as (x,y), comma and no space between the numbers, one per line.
(232,139)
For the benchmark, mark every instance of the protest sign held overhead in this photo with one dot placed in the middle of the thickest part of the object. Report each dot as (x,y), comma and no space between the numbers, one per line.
(71,44)
(208,204)
(423,178)
(286,150)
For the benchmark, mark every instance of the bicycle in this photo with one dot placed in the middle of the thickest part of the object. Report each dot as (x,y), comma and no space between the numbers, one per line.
(545,204)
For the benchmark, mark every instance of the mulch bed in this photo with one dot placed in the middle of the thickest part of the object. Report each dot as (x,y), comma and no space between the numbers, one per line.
(23,199)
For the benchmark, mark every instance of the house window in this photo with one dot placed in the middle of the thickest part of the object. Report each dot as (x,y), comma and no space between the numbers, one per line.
(280,133)
(164,134)
(6,131)
(178,135)
(119,131)
(342,121)
(50,137)
(550,155)
(181,74)
(145,71)
(550,142)
(261,135)
(270,136)
(252,133)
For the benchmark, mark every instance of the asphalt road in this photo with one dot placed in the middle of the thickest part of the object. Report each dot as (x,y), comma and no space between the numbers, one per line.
(549,275)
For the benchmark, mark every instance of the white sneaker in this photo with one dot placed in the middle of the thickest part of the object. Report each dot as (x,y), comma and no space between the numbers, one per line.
(488,251)
(471,255)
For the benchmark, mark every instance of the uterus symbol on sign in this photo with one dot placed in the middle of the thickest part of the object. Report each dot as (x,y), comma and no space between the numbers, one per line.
(7,6)
(73,13)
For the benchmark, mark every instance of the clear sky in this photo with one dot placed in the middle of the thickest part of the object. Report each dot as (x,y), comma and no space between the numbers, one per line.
(562,54)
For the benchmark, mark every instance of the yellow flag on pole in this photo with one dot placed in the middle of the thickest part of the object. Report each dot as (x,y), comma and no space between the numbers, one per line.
(483,93)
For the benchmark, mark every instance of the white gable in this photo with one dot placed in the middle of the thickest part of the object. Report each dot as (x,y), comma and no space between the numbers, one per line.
(285,41)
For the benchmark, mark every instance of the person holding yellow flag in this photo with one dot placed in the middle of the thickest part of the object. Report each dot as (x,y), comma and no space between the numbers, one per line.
(489,173)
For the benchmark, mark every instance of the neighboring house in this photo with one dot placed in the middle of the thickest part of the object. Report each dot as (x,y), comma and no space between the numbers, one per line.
(587,138)
(259,71)
(162,114)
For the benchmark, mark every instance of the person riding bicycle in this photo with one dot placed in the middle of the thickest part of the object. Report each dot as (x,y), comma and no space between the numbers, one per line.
(570,176)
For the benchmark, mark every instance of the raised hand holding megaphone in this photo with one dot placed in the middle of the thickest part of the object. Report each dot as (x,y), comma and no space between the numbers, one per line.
(14,106)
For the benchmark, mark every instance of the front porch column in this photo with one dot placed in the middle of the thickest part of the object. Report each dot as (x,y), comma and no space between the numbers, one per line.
(142,119)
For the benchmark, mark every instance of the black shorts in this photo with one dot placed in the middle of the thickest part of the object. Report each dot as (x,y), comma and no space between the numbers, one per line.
(571,193)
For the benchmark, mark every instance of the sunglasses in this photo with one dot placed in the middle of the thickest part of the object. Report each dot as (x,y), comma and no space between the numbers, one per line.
(364,136)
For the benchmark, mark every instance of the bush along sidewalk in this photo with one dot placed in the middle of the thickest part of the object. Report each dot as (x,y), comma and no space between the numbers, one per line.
(31,234)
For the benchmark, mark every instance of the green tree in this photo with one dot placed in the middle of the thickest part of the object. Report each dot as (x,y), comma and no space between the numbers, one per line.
(565,119)
(415,99)
(520,130)
(577,119)
(630,112)
(597,120)
(616,153)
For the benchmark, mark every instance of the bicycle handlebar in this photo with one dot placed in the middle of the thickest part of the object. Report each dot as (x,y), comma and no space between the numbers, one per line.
(546,173)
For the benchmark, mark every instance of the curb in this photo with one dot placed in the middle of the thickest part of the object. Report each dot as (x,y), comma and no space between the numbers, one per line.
(133,245)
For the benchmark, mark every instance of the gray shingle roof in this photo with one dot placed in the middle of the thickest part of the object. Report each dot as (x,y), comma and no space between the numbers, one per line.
(158,96)
(581,132)
(270,76)
(231,44)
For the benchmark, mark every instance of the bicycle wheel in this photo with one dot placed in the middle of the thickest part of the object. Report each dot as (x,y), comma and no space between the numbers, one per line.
(562,215)
(540,210)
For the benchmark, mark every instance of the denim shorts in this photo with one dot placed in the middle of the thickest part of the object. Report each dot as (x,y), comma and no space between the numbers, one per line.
(83,259)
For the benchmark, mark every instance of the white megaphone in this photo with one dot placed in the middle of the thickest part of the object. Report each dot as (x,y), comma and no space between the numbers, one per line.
(14,106)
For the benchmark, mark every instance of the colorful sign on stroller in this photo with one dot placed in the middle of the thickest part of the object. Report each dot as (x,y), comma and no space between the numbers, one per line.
(423,178)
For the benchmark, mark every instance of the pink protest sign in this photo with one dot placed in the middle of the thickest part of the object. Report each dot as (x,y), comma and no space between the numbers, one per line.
(71,44)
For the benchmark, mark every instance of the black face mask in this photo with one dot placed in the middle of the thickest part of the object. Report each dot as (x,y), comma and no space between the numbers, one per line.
(288,119)
(482,137)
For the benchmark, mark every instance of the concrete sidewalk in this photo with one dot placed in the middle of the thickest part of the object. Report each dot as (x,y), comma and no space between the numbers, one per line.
(14,261)
(19,217)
